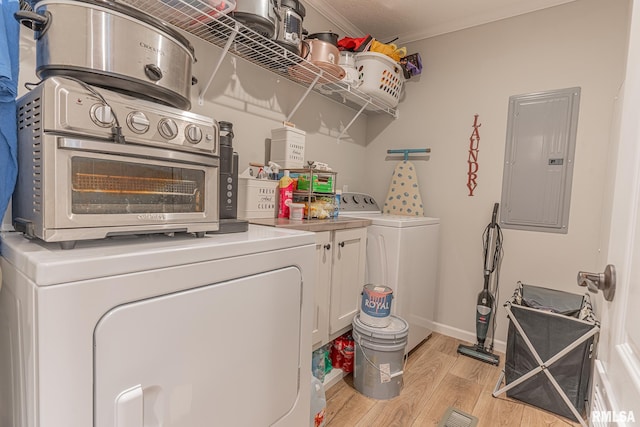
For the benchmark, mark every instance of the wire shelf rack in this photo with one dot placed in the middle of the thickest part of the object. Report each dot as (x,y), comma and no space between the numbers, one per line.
(208,23)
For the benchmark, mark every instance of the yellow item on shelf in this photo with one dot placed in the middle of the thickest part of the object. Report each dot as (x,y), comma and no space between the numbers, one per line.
(391,50)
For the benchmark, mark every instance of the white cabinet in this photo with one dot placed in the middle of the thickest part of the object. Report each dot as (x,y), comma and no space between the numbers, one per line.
(340,267)
(347,277)
(320,334)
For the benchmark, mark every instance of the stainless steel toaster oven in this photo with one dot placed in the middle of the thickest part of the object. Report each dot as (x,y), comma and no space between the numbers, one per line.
(94,164)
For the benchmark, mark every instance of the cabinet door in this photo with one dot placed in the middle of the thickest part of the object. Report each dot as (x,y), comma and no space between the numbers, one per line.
(347,280)
(320,333)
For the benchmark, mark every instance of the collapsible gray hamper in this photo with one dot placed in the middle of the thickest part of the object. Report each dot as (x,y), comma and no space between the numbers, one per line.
(550,348)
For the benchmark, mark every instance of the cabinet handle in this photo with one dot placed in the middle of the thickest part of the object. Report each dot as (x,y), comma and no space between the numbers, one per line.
(341,244)
(327,246)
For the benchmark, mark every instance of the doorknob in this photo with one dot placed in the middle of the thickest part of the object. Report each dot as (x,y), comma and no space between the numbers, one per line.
(605,282)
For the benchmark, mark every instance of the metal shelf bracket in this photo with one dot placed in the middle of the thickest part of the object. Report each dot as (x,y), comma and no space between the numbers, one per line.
(352,120)
(304,96)
(225,50)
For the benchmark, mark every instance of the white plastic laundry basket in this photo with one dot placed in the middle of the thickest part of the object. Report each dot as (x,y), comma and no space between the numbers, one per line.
(380,77)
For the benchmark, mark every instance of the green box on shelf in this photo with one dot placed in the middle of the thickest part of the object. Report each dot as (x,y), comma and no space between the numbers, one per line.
(321,183)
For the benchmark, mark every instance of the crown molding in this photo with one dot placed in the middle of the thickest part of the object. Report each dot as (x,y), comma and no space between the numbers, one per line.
(342,23)
(479,19)
(490,15)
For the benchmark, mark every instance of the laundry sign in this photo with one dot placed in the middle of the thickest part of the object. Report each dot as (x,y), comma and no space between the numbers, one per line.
(472,159)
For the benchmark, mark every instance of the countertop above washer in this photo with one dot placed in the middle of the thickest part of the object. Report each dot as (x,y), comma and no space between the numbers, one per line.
(314,225)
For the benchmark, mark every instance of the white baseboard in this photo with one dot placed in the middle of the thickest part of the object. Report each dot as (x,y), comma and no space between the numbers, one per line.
(470,337)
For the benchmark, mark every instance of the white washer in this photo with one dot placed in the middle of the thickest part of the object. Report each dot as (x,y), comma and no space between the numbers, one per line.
(402,253)
(157,330)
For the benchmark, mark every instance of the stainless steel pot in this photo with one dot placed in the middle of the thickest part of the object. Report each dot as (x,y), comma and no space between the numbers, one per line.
(112,45)
(322,55)
(259,15)
(318,51)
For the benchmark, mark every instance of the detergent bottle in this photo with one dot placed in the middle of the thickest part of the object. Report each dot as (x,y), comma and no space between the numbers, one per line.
(285,188)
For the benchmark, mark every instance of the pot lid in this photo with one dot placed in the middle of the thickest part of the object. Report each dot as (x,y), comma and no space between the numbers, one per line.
(326,36)
(295,5)
(323,34)
(147,19)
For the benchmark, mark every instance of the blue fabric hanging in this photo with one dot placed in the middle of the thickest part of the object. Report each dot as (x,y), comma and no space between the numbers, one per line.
(9,67)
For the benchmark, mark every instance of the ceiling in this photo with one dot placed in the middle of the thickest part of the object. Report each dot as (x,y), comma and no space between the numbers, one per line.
(410,20)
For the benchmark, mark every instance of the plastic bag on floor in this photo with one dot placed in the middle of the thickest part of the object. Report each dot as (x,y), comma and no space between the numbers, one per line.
(318,403)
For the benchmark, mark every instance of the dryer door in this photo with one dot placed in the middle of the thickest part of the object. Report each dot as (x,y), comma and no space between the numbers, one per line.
(225,354)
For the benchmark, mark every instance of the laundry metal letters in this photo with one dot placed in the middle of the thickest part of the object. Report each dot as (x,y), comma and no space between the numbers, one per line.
(472,160)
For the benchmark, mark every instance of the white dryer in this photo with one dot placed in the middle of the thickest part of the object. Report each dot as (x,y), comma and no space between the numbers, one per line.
(402,253)
(157,330)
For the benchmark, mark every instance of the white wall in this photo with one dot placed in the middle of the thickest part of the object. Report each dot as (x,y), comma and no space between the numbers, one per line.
(474,71)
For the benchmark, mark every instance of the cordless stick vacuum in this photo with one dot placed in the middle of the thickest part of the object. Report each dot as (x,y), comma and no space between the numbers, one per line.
(486,301)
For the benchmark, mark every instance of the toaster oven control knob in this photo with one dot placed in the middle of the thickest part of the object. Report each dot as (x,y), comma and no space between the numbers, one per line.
(193,134)
(101,115)
(138,122)
(168,128)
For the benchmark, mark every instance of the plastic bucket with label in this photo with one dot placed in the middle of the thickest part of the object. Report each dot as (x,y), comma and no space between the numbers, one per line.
(380,358)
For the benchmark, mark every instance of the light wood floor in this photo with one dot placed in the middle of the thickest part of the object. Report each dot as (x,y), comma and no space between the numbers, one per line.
(435,378)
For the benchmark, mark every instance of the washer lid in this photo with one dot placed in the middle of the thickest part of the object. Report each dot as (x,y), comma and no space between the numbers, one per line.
(397,221)
(362,205)
(401,221)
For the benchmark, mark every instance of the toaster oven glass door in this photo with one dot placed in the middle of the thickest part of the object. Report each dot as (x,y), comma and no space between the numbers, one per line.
(135,186)
(100,186)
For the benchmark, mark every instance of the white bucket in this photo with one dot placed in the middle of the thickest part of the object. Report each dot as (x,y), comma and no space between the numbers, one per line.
(379,358)
(375,309)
